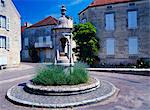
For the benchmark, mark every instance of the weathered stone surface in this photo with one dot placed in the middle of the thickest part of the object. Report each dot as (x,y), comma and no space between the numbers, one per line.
(17,94)
(13,33)
(96,15)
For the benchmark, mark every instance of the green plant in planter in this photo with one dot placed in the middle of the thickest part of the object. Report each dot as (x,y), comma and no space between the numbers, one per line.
(55,75)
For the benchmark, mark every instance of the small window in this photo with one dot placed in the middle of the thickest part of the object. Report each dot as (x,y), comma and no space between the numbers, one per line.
(110,46)
(132,19)
(109,21)
(109,7)
(133,45)
(131,4)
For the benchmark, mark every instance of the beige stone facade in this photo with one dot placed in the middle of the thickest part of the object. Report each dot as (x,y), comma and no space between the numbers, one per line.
(11,33)
(121,34)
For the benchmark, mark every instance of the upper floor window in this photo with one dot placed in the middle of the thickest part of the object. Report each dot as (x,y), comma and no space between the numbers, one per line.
(2,21)
(109,21)
(3,2)
(83,20)
(133,45)
(110,46)
(132,19)
(2,42)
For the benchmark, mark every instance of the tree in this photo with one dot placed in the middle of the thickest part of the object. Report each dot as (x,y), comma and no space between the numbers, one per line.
(87,43)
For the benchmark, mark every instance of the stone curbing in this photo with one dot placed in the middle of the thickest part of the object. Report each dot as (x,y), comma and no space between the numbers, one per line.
(91,85)
(133,71)
(69,103)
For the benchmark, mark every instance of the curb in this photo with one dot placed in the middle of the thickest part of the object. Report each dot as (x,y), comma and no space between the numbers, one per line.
(85,102)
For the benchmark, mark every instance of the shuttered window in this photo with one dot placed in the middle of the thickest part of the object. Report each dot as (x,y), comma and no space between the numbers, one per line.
(110,46)
(133,45)
(2,22)
(109,21)
(2,42)
(132,19)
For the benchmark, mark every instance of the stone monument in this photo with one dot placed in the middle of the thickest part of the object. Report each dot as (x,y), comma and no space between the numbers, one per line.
(62,38)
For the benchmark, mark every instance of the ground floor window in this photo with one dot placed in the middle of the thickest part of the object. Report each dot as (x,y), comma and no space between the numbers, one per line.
(26,53)
(133,45)
(48,54)
(110,46)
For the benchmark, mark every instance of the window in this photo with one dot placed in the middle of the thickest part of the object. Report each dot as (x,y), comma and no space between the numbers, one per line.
(3,2)
(109,21)
(48,39)
(2,42)
(110,46)
(133,45)
(132,19)
(26,41)
(2,22)
(83,21)
(41,40)
(26,53)
(109,7)
(48,54)
(131,4)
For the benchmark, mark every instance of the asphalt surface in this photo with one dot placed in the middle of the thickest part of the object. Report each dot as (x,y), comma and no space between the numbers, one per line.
(134,90)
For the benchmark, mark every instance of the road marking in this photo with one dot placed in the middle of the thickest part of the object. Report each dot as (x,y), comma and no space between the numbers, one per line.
(14,79)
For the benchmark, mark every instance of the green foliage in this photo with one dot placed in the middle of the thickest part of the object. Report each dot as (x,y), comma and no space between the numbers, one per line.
(87,44)
(56,75)
(141,63)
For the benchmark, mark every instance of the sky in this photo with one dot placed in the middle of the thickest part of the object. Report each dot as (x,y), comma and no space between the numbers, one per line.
(33,11)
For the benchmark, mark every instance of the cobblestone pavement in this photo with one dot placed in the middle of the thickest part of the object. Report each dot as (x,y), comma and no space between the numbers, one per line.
(134,90)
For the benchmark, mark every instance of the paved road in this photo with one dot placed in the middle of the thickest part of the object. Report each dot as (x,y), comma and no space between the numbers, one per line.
(134,90)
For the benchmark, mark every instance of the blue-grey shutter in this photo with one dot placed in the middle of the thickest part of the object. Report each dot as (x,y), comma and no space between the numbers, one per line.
(7,24)
(7,43)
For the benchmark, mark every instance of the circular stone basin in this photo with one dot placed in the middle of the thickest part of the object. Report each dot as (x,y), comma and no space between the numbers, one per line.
(16,94)
(91,85)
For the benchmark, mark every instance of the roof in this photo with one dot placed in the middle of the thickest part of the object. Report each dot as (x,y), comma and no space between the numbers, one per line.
(45,22)
(23,28)
(105,2)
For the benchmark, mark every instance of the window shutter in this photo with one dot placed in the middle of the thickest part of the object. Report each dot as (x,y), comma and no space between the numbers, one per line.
(7,24)
(7,43)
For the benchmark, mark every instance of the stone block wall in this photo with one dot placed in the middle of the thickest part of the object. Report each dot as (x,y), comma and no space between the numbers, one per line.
(13,33)
(96,15)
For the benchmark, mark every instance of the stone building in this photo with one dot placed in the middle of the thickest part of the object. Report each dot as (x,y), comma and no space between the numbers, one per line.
(39,37)
(48,38)
(122,27)
(10,34)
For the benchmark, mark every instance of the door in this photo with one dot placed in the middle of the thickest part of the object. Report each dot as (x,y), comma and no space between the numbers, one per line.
(42,56)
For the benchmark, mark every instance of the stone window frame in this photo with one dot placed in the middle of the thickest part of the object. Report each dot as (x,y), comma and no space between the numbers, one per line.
(133,9)
(110,12)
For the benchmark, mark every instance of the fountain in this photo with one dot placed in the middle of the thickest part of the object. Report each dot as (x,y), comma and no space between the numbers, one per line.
(65,95)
